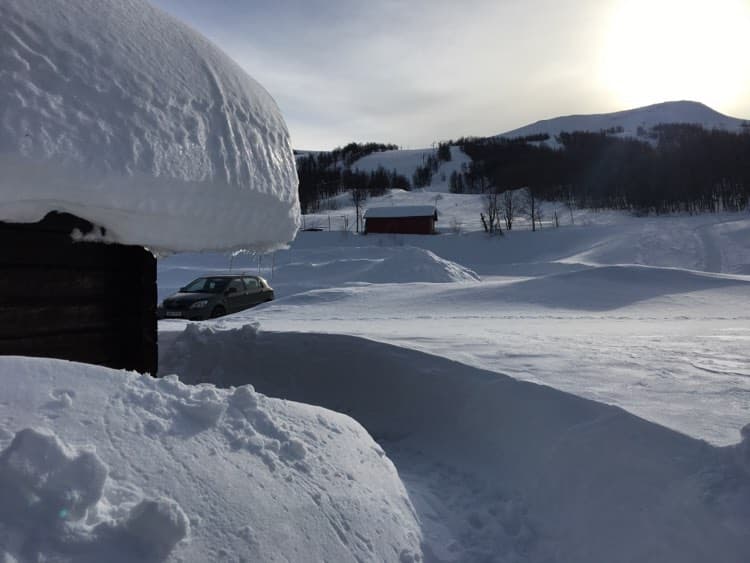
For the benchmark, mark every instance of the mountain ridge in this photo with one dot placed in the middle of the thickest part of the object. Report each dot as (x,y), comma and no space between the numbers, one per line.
(635,122)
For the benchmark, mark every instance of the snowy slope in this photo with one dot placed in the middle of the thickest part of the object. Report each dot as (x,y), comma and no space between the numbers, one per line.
(405,162)
(116,112)
(630,120)
(98,465)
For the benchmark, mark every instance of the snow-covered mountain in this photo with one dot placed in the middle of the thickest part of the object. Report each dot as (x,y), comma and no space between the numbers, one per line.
(634,122)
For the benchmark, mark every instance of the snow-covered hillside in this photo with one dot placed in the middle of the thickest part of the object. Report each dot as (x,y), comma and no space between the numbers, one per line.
(633,121)
(405,162)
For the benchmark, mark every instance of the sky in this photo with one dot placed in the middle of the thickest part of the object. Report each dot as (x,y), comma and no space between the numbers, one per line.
(414,72)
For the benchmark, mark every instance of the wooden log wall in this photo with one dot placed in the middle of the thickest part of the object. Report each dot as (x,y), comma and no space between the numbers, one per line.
(85,301)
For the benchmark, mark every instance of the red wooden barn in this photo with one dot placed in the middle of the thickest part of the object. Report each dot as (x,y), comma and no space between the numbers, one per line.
(405,219)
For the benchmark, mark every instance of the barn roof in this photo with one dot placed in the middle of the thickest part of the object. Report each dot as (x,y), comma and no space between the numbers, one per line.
(114,111)
(401,211)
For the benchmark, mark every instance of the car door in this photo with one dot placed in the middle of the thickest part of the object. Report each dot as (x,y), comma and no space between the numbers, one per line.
(235,296)
(254,291)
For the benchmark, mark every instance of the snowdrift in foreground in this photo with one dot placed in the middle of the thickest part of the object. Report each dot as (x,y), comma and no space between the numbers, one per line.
(98,465)
(115,112)
(499,469)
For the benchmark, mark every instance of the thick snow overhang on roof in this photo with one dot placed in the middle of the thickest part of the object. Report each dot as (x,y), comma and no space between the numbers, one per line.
(401,211)
(115,112)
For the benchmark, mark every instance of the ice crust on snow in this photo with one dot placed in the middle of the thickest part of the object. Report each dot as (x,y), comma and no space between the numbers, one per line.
(116,112)
(100,465)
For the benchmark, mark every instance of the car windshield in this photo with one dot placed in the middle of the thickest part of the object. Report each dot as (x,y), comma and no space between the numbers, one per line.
(206,285)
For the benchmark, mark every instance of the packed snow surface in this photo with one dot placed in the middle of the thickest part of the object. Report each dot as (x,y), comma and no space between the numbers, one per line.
(115,112)
(98,465)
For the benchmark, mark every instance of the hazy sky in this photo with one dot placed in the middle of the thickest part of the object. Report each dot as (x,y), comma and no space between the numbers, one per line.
(413,72)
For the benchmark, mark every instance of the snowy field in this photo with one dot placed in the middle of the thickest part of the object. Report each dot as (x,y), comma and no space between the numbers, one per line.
(414,337)
(574,395)
(650,314)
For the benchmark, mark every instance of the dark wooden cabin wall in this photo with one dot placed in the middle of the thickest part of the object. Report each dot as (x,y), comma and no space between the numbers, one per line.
(83,301)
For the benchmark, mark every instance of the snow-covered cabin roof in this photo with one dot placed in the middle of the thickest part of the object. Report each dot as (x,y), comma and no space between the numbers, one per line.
(116,112)
(394,211)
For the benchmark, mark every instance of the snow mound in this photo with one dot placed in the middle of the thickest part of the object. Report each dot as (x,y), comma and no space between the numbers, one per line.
(504,470)
(99,465)
(332,267)
(412,264)
(115,112)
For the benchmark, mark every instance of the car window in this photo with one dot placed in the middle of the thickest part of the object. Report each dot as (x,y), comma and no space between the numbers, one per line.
(237,284)
(206,285)
(251,283)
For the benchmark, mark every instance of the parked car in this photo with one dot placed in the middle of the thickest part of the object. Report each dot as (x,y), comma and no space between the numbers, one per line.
(213,296)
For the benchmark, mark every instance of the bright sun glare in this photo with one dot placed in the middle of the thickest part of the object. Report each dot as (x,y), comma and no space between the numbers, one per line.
(658,50)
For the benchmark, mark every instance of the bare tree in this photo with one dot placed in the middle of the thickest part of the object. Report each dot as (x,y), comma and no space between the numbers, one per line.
(491,215)
(508,202)
(570,203)
(531,207)
(359,196)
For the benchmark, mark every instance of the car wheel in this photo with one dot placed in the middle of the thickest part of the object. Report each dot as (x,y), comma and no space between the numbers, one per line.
(218,311)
